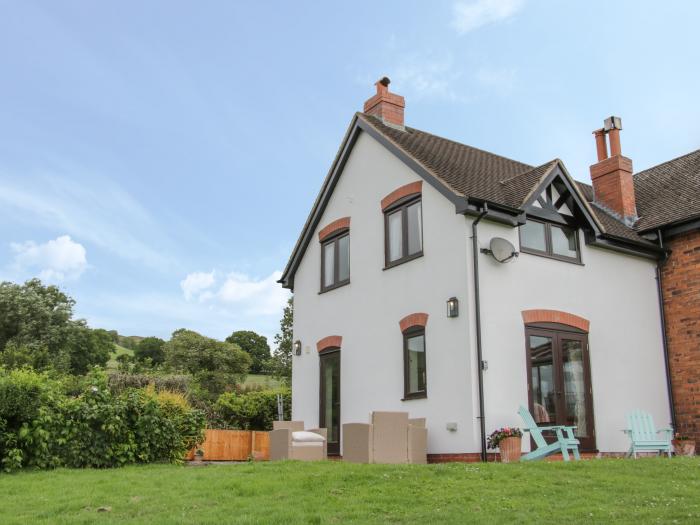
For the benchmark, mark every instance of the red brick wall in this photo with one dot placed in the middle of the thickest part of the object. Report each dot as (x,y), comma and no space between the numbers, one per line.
(681,291)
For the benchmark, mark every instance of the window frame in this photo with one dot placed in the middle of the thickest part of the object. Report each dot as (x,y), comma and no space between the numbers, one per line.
(333,239)
(411,332)
(549,250)
(402,206)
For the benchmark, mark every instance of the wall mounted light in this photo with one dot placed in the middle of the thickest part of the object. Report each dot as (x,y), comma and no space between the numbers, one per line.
(297,347)
(452,307)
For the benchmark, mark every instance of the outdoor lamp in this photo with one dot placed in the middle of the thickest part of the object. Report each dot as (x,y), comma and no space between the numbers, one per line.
(297,347)
(452,307)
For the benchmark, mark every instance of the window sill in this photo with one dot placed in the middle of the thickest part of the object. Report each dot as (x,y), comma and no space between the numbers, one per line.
(399,262)
(418,395)
(554,257)
(334,287)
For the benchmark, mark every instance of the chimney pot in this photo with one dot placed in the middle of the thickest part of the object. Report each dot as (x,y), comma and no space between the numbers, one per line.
(613,185)
(387,106)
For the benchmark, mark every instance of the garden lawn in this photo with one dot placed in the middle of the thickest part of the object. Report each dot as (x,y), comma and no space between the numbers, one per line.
(596,491)
(261,381)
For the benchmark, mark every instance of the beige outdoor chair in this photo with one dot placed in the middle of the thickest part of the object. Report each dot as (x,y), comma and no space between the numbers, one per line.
(289,440)
(391,437)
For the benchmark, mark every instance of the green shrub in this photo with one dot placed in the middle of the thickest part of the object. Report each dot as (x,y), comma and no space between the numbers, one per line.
(43,427)
(118,382)
(255,410)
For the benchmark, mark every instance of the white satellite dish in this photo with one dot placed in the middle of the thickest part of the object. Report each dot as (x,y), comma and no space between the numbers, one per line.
(501,249)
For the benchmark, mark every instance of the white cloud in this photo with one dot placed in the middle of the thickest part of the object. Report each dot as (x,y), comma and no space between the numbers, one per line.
(96,210)
(195,283)
(55,260)
(264,296)
(469,16)
(260,296)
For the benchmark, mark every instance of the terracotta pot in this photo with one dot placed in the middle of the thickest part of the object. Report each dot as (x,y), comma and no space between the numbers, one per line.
(685,447)
(510,449)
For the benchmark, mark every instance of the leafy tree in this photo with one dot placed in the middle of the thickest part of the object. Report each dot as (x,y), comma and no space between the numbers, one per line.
(34,314)
(150,348)
(281,362)
(216,366)
(86,347)
(37,330)
(254,345)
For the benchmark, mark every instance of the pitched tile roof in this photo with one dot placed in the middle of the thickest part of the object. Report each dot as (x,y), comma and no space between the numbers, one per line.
(472,172)
(669,192)
(468,171)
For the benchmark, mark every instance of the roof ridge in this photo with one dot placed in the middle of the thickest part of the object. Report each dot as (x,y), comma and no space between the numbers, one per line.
(667,162)
(535,168)
(458,143)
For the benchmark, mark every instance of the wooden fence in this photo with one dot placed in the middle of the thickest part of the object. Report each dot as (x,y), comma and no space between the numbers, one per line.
(234,445)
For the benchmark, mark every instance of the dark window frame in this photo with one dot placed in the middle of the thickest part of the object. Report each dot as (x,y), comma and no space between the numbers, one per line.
(411,332)
(333,239)
(333,447)
(556,332)
(402,206)
(549,251)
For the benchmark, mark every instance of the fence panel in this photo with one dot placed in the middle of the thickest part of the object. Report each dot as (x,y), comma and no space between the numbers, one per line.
(234,445)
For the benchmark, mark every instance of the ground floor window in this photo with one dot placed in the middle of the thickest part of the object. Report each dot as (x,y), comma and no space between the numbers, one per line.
(414,363)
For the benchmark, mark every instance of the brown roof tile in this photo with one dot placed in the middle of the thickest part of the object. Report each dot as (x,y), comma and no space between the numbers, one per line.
(669,192)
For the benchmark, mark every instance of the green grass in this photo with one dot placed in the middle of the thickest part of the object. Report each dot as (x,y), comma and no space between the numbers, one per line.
(118,350)
(597,491)
(261,380)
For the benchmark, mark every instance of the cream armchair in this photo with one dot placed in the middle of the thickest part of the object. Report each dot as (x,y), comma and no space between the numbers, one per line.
(289,440)
(391,437)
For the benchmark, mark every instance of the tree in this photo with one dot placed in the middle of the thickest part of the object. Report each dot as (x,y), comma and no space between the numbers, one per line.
(216,366)
(282,358)
(37,330)
(254,345)
(150,347)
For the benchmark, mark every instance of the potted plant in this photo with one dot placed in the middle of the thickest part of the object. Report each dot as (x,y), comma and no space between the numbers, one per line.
(509,441)
(198,455)
(683,445)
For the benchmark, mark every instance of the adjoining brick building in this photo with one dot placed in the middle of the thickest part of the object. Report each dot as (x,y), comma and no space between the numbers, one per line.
(669,197)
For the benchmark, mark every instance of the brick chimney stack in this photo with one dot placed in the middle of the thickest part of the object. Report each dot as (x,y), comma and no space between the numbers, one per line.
(613,188)
(387,106)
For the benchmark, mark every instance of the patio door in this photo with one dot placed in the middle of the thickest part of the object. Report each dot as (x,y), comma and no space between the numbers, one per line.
(559,380)
(329,403)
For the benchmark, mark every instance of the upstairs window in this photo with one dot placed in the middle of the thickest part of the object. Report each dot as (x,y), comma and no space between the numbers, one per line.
(403,225)
(335,262)
(550,240)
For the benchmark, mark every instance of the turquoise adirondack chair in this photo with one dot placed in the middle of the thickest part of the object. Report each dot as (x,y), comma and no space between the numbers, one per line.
(644,437)
(566,441)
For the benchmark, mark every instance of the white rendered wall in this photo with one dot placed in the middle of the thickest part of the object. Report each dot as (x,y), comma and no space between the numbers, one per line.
(615,292)
(366,313)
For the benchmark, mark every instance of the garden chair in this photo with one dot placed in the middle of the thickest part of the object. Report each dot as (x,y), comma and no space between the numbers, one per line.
(566,441)
(289,440)
(391,437)
(644,437)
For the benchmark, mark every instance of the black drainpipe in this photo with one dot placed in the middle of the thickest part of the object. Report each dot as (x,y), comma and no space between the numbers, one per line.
(667,360)
(477,311)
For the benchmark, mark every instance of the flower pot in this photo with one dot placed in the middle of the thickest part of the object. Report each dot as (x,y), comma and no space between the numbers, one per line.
(684,447)
(510,449)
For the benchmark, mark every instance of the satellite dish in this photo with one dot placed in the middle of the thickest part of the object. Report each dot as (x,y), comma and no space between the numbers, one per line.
(501,249)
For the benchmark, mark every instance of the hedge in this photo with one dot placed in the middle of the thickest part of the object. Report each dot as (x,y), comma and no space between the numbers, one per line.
(41,426)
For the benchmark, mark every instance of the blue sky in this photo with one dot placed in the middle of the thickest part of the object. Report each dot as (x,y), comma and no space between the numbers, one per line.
(158,159)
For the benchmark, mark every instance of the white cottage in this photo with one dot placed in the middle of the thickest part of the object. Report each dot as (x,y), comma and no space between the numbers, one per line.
(400,304)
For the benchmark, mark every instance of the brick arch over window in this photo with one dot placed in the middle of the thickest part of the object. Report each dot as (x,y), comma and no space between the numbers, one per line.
(414,188)
(339,224)
(332,341)
(413,320)
(555,316)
